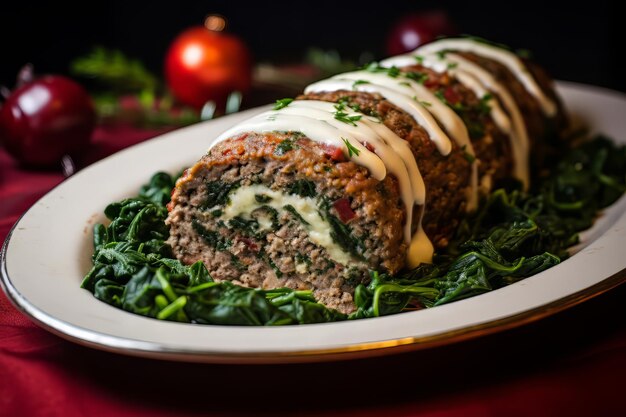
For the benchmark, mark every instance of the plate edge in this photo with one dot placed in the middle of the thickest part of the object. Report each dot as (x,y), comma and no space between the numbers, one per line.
(131,347)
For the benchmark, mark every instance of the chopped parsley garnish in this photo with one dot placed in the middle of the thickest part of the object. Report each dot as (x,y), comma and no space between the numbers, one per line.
(393,72)
(356,107)
(359,82)
(416,76)
(351,149)
(452,65)
(376,67)
(285,146)
(419,59)
(425,103)
(343,116)
(345,101)
(405,83)
(468,156)
(483,105)
(442,54)
(282,103)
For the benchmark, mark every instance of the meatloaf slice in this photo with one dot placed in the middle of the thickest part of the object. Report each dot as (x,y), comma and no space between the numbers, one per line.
(279,210)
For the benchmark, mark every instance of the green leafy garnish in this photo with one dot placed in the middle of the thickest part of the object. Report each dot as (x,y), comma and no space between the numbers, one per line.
(342,116)
(352,150)
(419,77)
(469,157)
(285,146)
(359,82)
(282,103)
(483,105)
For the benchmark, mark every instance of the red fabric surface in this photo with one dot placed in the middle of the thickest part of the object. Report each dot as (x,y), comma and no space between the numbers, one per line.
(573,363)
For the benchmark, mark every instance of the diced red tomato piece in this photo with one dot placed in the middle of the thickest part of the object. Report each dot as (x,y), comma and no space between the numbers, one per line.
(335,153)
(344,210)
(250,244)
(430,82)
(452,96)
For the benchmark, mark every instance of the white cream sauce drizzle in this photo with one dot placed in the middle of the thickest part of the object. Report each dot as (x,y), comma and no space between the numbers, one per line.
(313,128)
(419,112)
(480,82)
(419,102)
(507,58)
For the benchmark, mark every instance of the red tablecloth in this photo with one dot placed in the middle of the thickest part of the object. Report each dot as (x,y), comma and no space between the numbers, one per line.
(573,363)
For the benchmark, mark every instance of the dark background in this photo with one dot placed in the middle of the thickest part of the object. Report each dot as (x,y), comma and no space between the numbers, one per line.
(576,42)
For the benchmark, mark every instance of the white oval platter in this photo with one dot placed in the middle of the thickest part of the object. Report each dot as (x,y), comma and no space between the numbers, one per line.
(48,251)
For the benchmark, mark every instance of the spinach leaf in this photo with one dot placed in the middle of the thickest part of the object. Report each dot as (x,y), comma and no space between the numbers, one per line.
(217,193)
(133,269)
(512,236)
(302,187)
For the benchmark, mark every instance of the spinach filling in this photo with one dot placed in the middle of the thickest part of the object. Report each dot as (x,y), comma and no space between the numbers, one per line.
(341,233)
(217,193)
(302,187)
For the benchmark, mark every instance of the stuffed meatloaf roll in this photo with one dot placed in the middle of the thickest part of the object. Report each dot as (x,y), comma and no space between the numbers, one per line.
(368,170)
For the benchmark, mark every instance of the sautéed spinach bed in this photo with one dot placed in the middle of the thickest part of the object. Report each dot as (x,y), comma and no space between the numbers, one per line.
(512,236)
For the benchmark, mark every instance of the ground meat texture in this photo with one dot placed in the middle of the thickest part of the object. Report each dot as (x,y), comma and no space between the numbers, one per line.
(545,134)
(284,254)
(446,177)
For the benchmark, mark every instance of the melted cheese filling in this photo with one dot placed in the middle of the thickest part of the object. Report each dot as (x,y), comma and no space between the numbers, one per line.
(243,201)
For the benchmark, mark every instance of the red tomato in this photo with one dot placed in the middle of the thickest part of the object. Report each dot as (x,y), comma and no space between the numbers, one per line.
(203,65)
(417,29)
(45,119)
(344,210)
